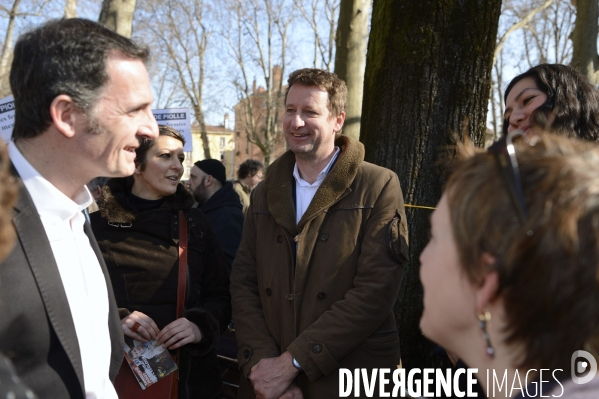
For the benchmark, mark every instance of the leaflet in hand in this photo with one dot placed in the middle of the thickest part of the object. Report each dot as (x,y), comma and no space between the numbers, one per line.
(149,362)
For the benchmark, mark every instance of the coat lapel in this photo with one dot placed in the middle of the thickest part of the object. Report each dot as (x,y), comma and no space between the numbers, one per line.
(279,192)
(43,266)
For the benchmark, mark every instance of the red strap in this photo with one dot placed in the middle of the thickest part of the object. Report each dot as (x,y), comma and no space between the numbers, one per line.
(181,284)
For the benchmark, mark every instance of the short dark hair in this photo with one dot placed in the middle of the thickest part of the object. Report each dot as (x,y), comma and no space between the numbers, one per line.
(145,144)
(249,167)
(327,81)
(548,280)
(571,99)
(63,56)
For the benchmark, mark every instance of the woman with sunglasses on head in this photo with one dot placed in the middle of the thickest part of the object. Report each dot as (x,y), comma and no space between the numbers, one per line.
(552,97)
(511,281)
(137,229)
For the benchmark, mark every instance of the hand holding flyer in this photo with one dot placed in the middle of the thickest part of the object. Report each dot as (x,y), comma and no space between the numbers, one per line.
(149,361)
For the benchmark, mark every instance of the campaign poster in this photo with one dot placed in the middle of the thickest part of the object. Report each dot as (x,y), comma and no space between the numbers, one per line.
(7,118)
(179,119)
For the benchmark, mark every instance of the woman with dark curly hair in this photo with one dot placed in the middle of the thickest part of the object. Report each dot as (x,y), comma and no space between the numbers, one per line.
(137,228)
(552,97)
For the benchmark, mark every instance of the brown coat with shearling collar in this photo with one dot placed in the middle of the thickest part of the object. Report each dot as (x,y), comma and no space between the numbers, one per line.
(330,301)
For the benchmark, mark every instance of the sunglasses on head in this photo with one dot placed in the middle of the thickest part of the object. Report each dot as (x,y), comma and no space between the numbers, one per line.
(505,155)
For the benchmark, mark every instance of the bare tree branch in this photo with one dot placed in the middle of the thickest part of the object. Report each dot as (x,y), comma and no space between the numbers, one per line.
(522,23)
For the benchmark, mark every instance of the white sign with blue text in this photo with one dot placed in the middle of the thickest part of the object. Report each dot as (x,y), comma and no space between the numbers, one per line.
(7,118)
(179,119)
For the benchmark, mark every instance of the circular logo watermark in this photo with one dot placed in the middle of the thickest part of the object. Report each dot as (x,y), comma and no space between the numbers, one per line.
(580,367)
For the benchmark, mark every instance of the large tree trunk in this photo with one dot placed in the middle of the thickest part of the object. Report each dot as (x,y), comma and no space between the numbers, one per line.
(428,77)
(584,39)
(118,15)
(350,60)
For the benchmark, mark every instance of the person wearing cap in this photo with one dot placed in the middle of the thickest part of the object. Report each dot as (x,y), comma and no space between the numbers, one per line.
(219,202)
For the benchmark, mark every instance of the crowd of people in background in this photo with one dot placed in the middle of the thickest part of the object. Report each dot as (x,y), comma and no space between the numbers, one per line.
(305,258)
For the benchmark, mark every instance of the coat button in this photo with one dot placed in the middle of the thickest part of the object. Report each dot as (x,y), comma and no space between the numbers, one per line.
(246,354)
(279,239)
(316,348)
(324,237)
(321,295)
(268,292)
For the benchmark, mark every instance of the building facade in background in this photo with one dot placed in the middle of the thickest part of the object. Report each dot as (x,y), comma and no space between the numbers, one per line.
(258,114)
(222,147)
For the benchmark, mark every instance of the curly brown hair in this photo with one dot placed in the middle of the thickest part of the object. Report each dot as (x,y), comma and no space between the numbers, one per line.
(8,196)
(249,167)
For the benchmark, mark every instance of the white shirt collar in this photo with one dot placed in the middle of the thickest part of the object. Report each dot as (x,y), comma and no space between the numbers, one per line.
(321,175)
(48,200)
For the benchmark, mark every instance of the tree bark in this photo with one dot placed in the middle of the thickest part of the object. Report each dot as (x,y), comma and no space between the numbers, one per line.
(70,9)
(428,78)
(350,60)
(118,15)
(584,39)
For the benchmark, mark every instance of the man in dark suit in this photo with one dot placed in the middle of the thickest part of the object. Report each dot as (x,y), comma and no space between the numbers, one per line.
(82,100)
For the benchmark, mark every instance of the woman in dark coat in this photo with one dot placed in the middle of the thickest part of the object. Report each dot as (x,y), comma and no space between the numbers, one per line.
(137,229)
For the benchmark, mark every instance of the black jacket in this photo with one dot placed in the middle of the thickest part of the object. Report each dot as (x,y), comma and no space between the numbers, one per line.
(225,213)
(141,252)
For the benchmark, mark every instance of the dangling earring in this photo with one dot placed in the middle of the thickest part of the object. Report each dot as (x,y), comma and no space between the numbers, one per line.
(483,319)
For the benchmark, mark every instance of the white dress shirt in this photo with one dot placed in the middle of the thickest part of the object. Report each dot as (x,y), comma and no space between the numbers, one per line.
(304,191)
(80,271)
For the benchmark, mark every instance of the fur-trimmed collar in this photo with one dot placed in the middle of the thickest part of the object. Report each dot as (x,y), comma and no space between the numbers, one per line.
(279,184)
(115,207)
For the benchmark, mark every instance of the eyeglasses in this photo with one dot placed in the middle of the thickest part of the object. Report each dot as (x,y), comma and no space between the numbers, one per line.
(505,155)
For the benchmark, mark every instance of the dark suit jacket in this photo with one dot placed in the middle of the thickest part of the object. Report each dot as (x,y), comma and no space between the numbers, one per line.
(36,328)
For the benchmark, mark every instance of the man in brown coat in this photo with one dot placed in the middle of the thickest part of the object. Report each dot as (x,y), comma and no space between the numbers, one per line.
(320,262)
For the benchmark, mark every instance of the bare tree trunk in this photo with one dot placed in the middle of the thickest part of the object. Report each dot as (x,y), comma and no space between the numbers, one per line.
(6,49)
(584,39)
(118,15)
(350,60)
(70,9)
(428,77)
(199,114)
